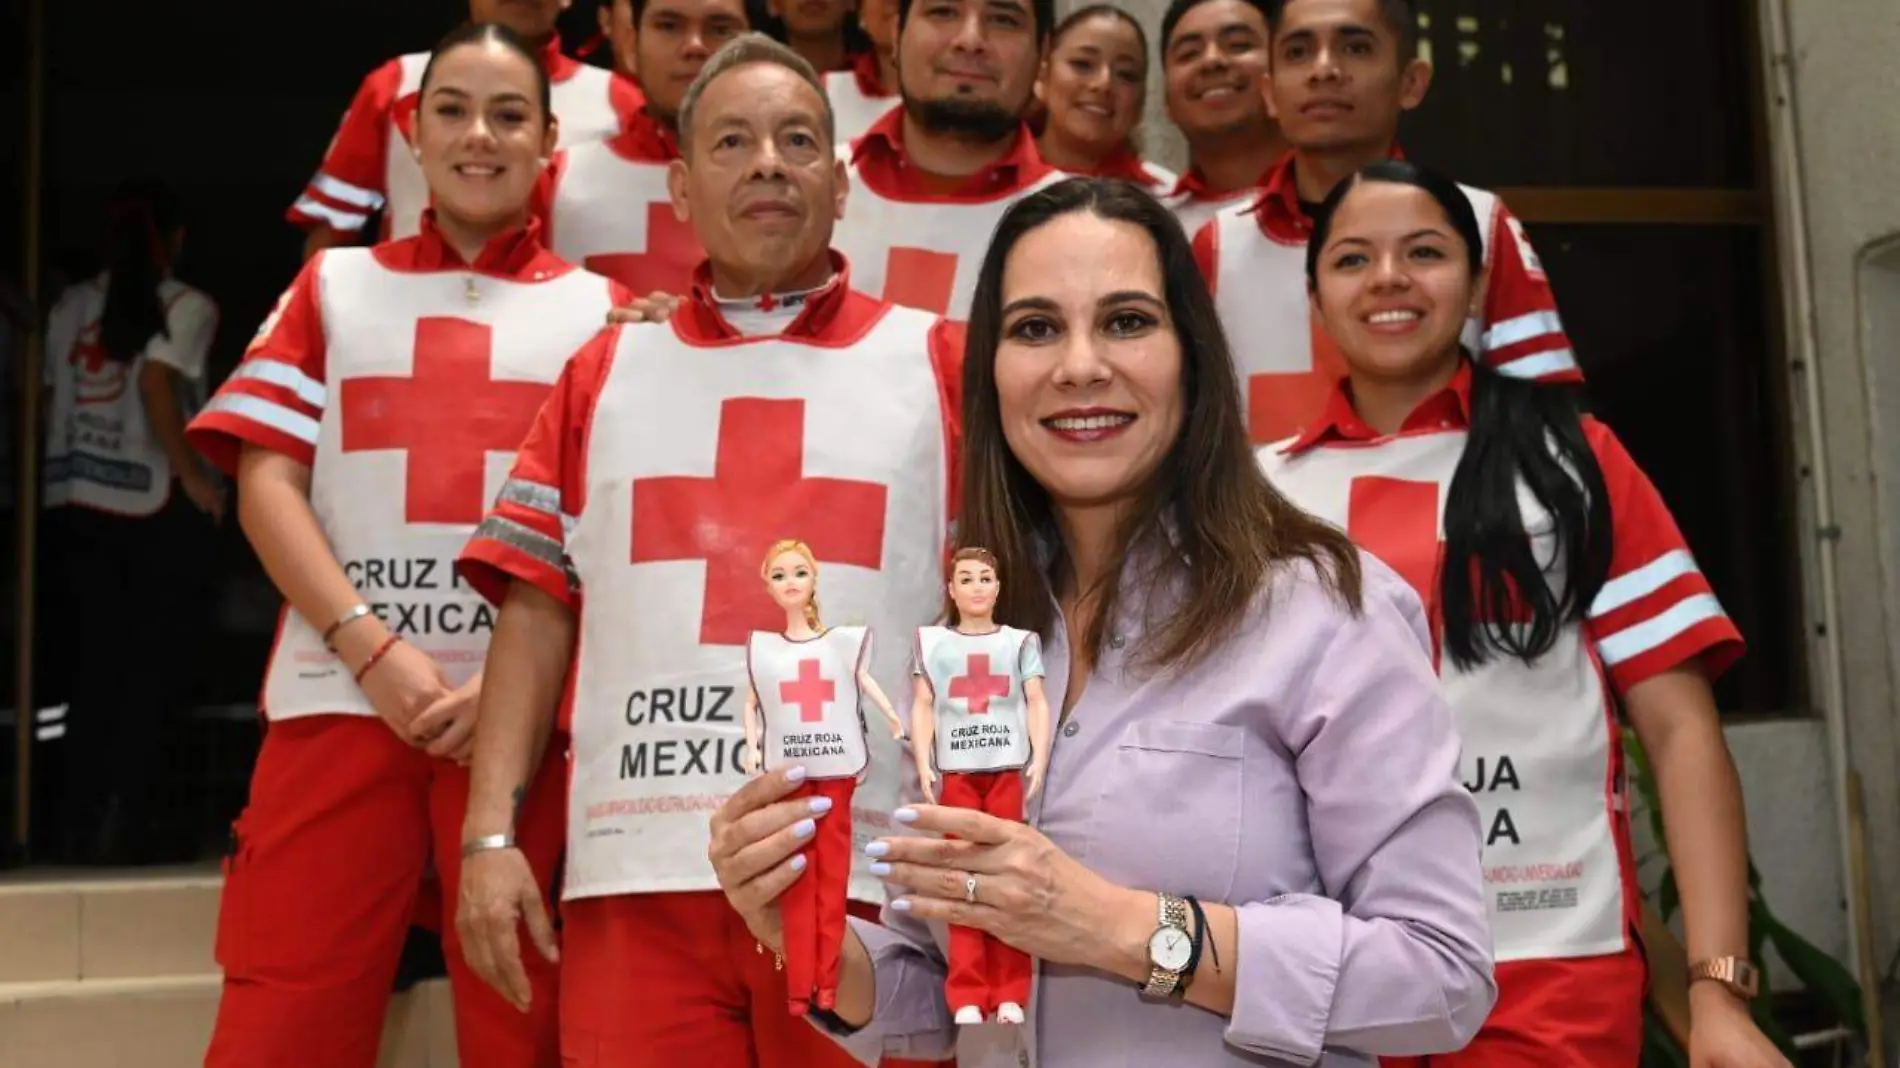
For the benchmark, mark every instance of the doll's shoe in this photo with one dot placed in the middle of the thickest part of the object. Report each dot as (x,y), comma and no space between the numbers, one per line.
(1009,1012)
(798,1006)
(969,1014)
(826,1000)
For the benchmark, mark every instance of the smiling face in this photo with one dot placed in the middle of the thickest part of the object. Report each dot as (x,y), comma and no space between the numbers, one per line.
(1093,84)
(481,136)
(1088,367)
(1215,64)
(1393,284)
(973,589)
(1337,80)
(760,183)
(792,579)
(675,39)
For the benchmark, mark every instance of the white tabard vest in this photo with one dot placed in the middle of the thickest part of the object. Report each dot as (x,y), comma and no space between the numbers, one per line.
(980,716)
(921,254)
(613,216)
(583,103)
(100,452)
(851,109)
(427,396)
(809,701)
(699,457)
(1260,293)
(1537,740)
(1195,212)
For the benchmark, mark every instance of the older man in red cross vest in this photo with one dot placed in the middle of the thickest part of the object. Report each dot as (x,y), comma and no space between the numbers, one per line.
(624,552)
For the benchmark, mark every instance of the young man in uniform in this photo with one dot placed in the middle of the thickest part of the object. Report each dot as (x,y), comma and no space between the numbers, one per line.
(370,166)
(610,211)
(776,402)
(1341,73)
(1214,63)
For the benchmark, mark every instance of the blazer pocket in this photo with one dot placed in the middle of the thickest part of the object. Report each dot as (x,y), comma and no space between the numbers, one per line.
(1172,816)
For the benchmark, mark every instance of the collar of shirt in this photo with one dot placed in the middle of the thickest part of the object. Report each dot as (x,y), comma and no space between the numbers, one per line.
(516,254)
(644,139)
(1449,408)
(1279,210)
(560,65)
(869,75)
(1193,183)
(884,164)
(822,311)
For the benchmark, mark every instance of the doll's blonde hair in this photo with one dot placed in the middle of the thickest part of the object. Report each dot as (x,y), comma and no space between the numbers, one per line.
(793,545)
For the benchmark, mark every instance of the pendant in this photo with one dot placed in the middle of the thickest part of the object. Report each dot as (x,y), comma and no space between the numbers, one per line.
(474,295)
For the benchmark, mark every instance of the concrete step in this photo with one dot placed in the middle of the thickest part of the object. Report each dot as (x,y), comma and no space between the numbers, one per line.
(70,925)
(165,1022)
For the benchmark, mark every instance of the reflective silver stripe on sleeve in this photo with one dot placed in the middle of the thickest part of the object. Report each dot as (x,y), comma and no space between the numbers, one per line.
(535,544)
(538,497)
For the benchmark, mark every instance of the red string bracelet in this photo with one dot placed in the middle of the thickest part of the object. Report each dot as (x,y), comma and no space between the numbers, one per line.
(376,657)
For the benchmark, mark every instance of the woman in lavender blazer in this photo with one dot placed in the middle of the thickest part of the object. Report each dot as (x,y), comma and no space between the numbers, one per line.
(1249,717)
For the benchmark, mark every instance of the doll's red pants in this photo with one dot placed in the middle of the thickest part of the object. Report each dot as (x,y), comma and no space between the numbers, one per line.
(320,888)
(985,972)
(1582,1012)
(813,906)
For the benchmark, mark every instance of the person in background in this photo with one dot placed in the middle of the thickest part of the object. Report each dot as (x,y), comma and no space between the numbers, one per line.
(1214,65)
(864,91)
(1559,589)
(1341,74)
(620,29)
(1252,805)
(124,371)
(609,208)
(825,32)
(623,554)
(368,426)
(370,166)
(1092,86)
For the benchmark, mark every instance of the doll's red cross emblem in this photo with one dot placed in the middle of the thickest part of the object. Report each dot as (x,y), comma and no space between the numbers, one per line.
(758,493)
(447,416)
(978,686)
(672,251)
(810,692)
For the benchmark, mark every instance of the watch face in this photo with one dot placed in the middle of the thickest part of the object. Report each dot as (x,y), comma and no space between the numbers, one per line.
(1169,948)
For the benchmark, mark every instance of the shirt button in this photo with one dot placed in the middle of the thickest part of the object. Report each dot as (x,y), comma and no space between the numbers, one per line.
(1069,729)
(1022,1058)
(1116,641)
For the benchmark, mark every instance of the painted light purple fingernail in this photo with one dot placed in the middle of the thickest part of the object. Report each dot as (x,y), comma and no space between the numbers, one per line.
(878,867)
(820,805)
(804,828)
(905,815)
(877,849)
(795,774)
(902,904)
(798,862)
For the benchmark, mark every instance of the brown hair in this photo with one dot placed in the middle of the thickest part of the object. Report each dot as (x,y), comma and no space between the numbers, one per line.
(1230,527)
(793,545)
(968,552)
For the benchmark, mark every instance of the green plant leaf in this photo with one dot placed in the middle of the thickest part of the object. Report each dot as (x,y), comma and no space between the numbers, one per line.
(1822,975)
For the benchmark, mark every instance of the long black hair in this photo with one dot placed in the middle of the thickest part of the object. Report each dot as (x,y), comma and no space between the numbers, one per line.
(141,232)
(1521,431)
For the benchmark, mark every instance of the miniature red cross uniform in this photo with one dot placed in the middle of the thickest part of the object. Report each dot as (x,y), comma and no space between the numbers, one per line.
(404,378)
(369,165)
(921,246)
(1254,259)
(670,457)
(858,96)
(611,213)
(1541,753)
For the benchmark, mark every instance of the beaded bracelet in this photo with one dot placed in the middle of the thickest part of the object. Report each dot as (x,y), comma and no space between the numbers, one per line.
(376,657)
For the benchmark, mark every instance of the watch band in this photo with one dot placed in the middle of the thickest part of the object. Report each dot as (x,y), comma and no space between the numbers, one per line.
(487,843)
(1172,912)
(1738,974)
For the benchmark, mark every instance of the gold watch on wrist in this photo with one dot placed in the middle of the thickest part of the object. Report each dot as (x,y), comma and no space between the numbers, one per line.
(1738,974)
(1170,947)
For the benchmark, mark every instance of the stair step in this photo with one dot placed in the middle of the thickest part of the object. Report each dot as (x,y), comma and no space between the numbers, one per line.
(65,925)
(165,1022)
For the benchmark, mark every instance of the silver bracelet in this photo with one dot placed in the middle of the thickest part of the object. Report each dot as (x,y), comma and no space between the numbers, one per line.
(342,621)
(487,843)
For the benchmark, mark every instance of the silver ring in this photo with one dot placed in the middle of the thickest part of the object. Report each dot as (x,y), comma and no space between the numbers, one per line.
(969,889)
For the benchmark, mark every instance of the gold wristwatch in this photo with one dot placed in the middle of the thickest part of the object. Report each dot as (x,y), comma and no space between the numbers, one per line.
(1736,973)
(1170,947)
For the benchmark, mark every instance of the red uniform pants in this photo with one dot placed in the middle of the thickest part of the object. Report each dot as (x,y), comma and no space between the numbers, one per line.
(321,886)
(985,972)
(813,906)
(665,980)
(1583,1012)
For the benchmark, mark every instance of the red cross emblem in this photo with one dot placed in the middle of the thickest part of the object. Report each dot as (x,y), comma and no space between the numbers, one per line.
(1280,403)
(810,692)
(759,492)
(919,278)
(447,416)
(673,250)
(977,685)
(1396,520)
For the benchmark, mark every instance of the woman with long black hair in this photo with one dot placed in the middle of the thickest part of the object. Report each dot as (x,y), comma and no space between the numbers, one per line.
(1559,588)
(125,364)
